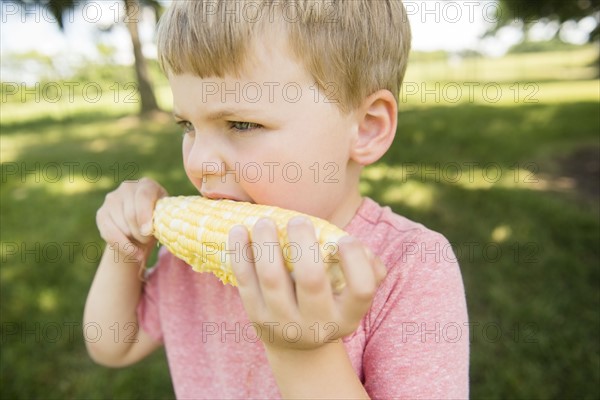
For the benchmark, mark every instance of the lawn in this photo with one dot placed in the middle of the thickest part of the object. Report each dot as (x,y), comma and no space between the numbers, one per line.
(511,182)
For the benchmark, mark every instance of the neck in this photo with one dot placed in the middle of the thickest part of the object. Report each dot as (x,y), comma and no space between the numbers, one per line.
(350,200)
(348,207)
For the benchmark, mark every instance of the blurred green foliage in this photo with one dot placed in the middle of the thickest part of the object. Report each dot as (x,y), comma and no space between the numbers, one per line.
(530,12)
(528,46)
(527,240)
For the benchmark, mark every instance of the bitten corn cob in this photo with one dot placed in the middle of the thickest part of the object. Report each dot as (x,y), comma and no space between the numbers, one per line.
(196,229)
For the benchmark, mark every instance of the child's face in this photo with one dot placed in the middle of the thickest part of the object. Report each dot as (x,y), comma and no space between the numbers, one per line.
(268,137)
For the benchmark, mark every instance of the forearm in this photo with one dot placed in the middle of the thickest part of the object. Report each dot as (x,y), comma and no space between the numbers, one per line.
(324,372)
(111,307)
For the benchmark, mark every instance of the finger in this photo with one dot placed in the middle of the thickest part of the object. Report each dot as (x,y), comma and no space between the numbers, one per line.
(361,281)
(109,232)
(124,251)
(129,215)
(273,276)
(114,214)
(313,289)
(112,210)
(124,241)
(242,263)
(148,193)
(133,246)
(379,269)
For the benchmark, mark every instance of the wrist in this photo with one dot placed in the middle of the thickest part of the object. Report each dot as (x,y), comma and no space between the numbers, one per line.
(299,355)
(322,372)
(125,255)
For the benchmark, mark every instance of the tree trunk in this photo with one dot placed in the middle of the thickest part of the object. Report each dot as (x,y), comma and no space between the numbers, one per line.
(148,100)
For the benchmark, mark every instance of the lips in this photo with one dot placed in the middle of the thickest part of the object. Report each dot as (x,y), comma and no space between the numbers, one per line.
(218,196)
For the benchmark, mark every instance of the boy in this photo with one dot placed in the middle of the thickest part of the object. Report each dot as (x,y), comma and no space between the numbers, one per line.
(306,91)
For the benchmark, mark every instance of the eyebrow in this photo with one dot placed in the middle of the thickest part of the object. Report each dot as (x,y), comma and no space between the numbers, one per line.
(226,113)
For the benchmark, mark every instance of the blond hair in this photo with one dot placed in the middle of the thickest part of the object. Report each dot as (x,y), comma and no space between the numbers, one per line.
(359,46)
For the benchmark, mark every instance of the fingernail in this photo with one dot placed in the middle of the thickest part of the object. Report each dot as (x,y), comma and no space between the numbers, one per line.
(299,220)
(237,231)
(264,223)
(140,256)
(346,240)
(146,229)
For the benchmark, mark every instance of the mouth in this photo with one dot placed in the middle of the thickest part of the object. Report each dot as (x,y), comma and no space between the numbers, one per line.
(218,196)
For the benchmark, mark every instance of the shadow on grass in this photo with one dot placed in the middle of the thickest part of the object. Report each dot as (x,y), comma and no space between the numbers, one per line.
(528,253)
(50,251)
(35,125)
(485,134)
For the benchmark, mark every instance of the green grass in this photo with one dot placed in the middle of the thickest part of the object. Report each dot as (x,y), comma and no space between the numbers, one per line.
(576,64)
(525,234)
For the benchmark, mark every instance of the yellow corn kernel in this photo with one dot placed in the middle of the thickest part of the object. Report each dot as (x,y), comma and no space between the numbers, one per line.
(195,229)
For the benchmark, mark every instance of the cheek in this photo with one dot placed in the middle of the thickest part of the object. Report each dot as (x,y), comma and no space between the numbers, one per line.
(186,149)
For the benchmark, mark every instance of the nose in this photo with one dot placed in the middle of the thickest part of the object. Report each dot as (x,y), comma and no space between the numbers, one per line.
(203,157)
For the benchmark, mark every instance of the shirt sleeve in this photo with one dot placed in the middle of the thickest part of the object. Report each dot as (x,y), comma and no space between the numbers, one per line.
(418,337)
(148,310)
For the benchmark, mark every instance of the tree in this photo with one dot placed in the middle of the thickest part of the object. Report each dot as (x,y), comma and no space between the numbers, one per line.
(529,12)
(132,9)
(147,97)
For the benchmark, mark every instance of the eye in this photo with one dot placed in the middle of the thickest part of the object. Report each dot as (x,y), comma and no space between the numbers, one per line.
(243,126)
(186,127)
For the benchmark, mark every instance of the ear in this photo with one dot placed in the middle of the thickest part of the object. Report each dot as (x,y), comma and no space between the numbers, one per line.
(377,121)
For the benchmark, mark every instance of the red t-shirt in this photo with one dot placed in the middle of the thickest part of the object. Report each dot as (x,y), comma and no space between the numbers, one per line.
(412,343)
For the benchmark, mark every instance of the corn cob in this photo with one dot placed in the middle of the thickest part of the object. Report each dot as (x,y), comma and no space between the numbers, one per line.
(195,229)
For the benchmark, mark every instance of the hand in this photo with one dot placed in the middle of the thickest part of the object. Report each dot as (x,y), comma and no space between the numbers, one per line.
(125,218)
(302,313)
